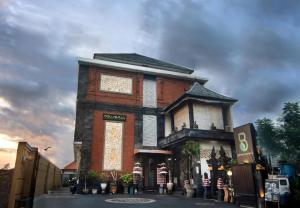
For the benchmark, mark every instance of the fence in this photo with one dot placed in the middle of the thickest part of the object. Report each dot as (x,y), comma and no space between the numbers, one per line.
(5,184)
(33,175)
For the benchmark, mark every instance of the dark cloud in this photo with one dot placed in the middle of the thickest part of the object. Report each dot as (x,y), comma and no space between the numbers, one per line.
(244,47)
(248,49)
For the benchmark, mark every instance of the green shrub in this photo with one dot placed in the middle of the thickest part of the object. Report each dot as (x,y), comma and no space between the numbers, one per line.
(127,178)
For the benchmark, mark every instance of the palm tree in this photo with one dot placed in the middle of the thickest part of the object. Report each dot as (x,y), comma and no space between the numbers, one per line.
(191,153)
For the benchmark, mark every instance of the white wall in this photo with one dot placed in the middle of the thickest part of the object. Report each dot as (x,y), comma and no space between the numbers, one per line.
(205,115)
(168,128)
(206,147)
(181,116)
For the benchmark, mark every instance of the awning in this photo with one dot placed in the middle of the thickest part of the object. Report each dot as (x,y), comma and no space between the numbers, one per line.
(152,151)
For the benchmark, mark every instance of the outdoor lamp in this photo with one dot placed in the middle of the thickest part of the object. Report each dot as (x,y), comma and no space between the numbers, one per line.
(259,167)
(229,173)
(221,167)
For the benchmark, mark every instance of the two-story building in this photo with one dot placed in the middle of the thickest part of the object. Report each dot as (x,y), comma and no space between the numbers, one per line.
(135,108)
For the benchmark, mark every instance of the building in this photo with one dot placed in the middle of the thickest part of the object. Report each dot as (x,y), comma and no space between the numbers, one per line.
(68,172)
(135,108)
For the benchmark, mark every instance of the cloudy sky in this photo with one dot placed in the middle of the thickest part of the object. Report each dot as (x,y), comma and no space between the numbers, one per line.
(249,50)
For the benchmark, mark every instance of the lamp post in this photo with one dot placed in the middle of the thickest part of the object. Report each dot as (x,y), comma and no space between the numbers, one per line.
(229,173)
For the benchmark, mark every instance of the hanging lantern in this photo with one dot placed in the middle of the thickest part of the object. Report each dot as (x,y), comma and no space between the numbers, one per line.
(137,169)
(163,169)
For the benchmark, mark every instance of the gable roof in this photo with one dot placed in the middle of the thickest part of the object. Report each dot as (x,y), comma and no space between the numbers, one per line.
(198,91)
(71,166)
(140,60)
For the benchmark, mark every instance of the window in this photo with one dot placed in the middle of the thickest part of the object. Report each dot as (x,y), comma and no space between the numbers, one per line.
(283,182)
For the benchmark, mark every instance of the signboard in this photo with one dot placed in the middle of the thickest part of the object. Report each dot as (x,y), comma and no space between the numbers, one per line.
(113,117)
(245,143)
(272,190)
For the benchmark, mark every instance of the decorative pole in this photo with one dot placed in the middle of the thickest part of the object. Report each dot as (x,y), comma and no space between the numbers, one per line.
(213,167)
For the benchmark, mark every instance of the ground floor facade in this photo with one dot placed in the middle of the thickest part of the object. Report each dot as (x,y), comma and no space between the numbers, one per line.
(115,137)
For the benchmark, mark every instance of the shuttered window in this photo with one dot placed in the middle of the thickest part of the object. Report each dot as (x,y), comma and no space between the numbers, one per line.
(149,130)
(149,92)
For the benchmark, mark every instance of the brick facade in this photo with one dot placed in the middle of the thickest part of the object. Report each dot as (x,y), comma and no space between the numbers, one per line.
(92,103)
(169,89)
(94,94)
(98,141)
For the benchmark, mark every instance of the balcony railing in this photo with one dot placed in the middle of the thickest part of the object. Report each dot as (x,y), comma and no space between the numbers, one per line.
(195,134)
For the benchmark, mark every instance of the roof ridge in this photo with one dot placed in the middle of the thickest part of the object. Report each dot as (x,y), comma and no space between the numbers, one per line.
(139,59)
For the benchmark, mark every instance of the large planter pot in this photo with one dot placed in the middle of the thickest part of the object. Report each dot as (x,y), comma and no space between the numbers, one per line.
(103,187)
(113,188)
(131,190)
(125,188)
(85,191)
(190,192)
(94,191)
(170,187)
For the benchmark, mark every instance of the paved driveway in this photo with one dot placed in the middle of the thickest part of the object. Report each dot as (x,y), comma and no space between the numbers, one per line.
(141,200)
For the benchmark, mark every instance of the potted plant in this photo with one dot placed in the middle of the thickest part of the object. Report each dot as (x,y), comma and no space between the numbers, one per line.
(126,180)
(113,183)
(103,182)
(93,181)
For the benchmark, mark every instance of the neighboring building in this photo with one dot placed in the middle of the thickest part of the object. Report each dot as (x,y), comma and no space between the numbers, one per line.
(69,172)
(131,107)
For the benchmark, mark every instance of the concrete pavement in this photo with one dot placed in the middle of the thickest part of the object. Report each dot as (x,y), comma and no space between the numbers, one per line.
(66,200)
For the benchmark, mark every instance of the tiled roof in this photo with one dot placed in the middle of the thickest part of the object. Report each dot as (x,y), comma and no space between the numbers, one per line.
(140,60)
(71,166)
(199,90)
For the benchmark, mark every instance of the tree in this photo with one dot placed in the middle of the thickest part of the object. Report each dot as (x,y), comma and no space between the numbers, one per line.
(190,152)
(267,135)
(284,139)
(290,130)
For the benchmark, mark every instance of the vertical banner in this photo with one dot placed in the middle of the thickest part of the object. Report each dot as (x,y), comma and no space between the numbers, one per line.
(113,146)
(161,179)
(245,143)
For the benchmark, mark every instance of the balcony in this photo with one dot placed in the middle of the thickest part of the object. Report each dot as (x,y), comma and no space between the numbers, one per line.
(195,134)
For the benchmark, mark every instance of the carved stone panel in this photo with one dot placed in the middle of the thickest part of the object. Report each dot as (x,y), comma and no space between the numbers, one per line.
(113,141)
(116,84)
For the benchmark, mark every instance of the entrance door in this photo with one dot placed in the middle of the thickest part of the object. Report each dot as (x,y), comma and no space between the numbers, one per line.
(152,173)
